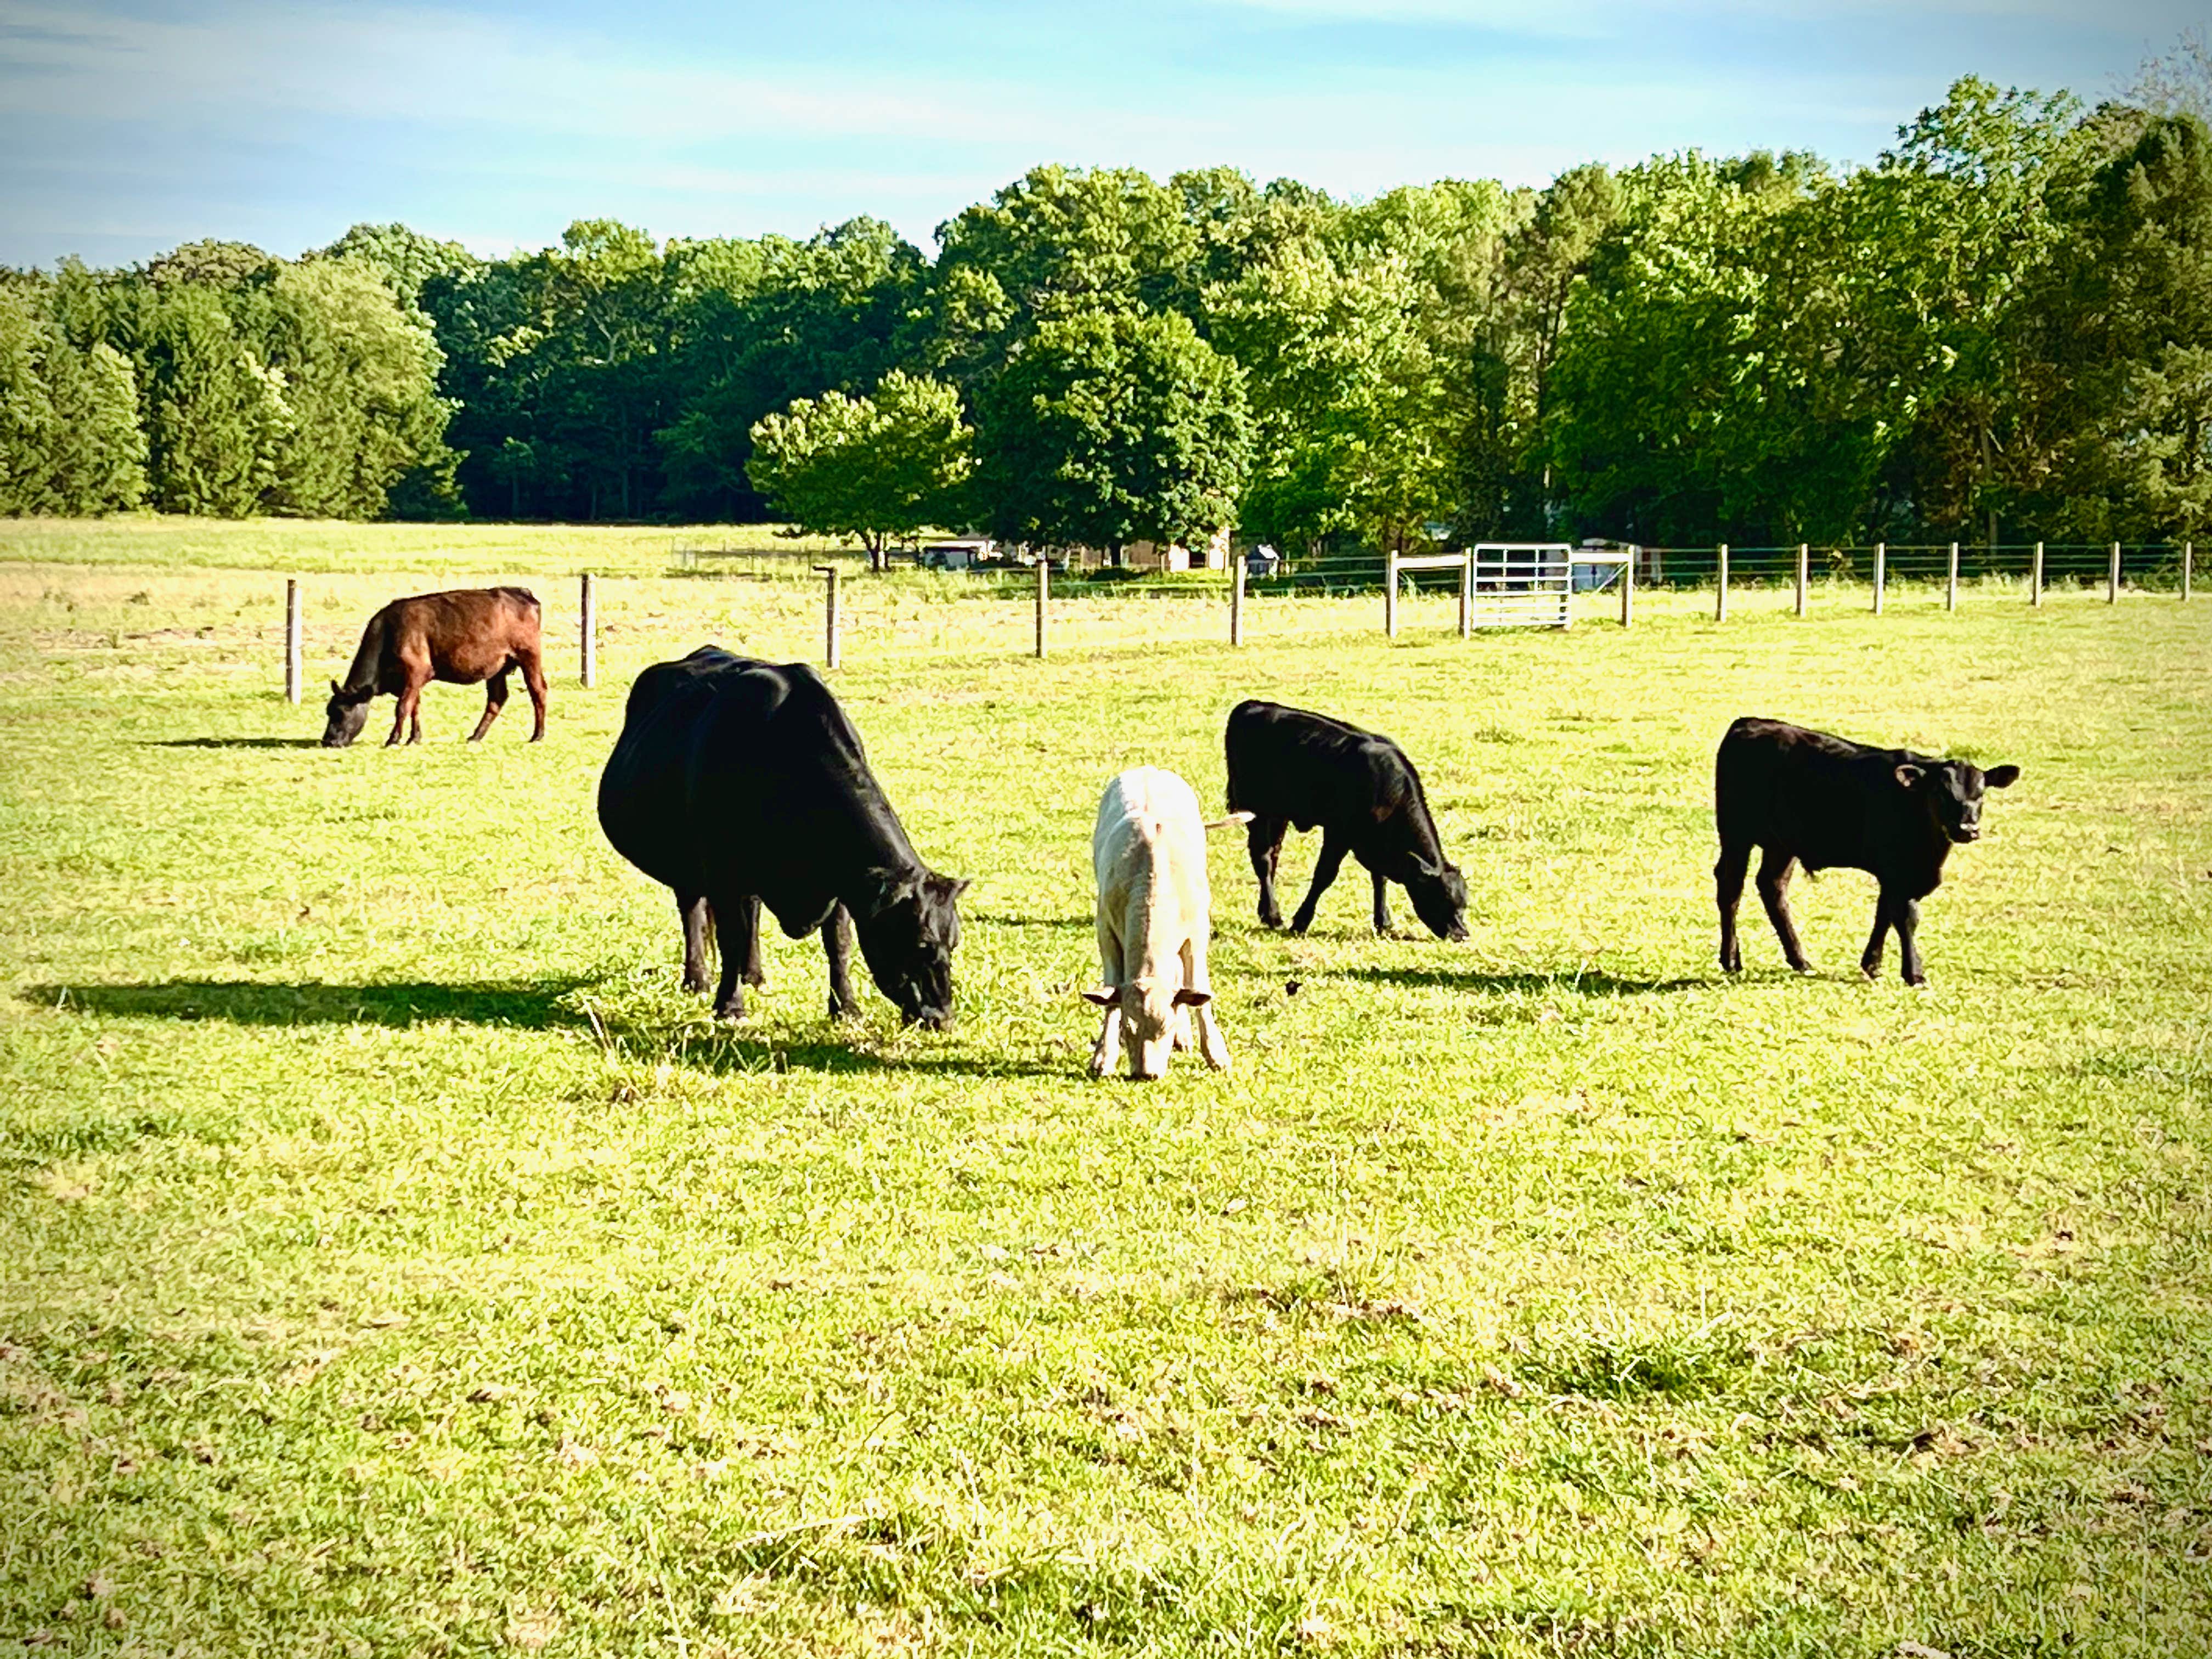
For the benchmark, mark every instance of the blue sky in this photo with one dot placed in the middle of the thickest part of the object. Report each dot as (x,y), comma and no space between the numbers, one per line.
(126,127)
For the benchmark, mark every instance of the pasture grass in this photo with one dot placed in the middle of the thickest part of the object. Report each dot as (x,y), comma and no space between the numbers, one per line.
(393,1261)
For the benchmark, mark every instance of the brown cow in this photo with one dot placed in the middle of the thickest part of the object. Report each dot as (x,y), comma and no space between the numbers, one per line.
(462,637)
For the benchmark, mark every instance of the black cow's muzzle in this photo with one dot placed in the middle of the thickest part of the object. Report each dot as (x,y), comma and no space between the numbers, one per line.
(930,1019)
(1966,832)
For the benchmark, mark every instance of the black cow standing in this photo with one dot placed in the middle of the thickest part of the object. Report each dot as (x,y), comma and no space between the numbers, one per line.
(741,783)
(1823,802)
(1287,766)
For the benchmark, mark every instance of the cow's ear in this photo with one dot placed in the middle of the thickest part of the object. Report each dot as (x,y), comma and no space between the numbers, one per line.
(336,690)
(960,884)
(1909,777)
(1423,867)
(1187,998)
(2000,777)
(1105,996)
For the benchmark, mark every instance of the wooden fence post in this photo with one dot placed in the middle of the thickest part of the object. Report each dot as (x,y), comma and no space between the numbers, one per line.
(1467,594)
(1236,601)
(2188,558)
(1043,598)
(1390,596)
(1720,585)
(2035,580)
(2112,577)
(292,639)
(1951,586)
(1804,574)
(1881,572)
(587,630)
(1628,590)
(829,574)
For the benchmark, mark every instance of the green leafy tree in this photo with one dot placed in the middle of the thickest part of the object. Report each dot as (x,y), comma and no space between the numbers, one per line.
(95,449)
(1109,428)
(361,384)
(1353,409)
(876,467)
(405,261)
(27,412)
(217,419)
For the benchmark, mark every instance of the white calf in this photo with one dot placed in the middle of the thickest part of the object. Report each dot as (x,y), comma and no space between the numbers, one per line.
(1149,853)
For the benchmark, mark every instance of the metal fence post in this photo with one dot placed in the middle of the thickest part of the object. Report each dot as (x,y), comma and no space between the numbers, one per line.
(1043,596)
(1804,574)
(1881,572)
(1628,590)
(1390,596)
(588,629)
(2035,580)
(292,639)
(1466,593)
(1951,587)
(829,654)
(1720,585)
(1236,604)
(2112,577)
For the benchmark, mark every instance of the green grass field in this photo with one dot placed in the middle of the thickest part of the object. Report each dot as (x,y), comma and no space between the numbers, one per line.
(393,1261)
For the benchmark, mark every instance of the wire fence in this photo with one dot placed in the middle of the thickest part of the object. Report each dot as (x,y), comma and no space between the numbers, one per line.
(830,608)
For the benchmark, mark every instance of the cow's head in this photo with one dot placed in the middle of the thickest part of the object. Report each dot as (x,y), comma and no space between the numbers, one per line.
(1154,1013)
(1951,791)
(345,713)
(1440,895)
(908,926)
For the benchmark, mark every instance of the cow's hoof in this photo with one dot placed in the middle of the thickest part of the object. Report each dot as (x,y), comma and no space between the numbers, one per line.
(732,1012)
(697,987)
(1806,970)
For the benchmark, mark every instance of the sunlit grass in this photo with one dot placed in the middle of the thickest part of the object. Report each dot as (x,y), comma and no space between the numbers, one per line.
(392,1260)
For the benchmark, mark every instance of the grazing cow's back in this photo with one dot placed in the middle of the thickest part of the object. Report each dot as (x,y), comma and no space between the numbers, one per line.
(1148,855)
(1290,767)
(1825,802)
(739,783)
(465,636)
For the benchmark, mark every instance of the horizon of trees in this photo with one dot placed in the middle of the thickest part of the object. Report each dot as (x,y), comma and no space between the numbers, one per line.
(2002,326)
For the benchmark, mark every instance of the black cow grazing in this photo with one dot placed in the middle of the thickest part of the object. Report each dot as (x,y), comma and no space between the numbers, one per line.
(462,637)
(1289,767)
(741,783)
(1823,802)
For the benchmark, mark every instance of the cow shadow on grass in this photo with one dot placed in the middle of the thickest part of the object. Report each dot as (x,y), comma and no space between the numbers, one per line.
(235,743)
(525,1005)
(533,1005)
(1588,982)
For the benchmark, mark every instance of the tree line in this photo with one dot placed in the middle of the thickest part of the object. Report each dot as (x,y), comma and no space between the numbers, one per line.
(2000,327)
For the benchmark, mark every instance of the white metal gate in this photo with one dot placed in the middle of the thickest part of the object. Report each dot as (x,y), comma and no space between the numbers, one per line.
(1520,584)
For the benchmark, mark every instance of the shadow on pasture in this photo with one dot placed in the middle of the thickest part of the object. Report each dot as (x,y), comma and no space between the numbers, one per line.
(1589,981)
(1067,924)
(530,1004)
(235,743)
(734,1049)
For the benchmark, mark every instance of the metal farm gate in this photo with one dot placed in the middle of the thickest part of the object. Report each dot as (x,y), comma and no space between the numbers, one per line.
(1501,585)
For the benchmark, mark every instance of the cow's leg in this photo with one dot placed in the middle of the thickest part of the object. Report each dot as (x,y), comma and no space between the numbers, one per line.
(1871,959)
(495,699)
(737,923)
(1382,904)
(1211,1047)
(1774,868)
(837,947)
(1263,840)
(1904,916)
(1325,868)
(756,974)
(1110,978)
(533,681)
(1727,889)
(691,908)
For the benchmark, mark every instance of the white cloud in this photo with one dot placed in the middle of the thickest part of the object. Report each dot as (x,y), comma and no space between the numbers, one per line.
(442,69)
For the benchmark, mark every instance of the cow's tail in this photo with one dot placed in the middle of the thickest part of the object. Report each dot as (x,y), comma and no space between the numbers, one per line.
(1230,821)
